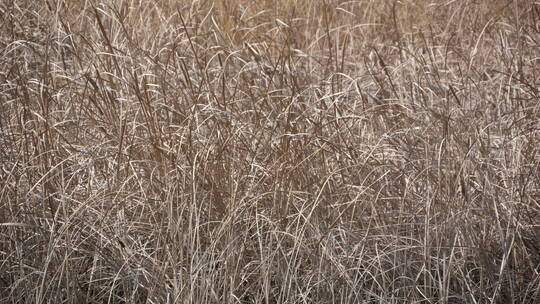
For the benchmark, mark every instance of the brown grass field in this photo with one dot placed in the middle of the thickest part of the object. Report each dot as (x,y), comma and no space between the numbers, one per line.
(257,151)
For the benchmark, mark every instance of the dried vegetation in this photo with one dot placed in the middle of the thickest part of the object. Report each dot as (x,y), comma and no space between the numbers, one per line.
(269,151)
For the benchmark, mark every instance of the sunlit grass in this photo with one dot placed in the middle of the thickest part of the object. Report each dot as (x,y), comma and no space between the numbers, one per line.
(269,152)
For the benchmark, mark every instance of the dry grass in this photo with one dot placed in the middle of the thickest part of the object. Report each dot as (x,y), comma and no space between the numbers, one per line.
(287,151)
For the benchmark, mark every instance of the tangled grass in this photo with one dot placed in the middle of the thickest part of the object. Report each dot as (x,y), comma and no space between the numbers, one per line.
(264,151)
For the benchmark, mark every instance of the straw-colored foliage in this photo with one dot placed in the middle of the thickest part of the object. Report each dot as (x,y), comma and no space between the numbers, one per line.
(269,151)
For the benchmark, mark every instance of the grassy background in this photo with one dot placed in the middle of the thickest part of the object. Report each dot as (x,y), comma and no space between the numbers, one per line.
(287,151)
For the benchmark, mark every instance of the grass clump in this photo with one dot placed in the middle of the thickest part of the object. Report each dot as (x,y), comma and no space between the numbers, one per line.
(269,152)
